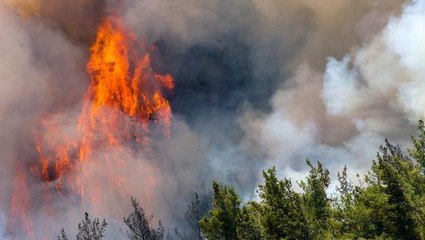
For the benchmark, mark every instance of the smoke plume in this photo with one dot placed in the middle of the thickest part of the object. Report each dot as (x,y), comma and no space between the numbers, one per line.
(257,83)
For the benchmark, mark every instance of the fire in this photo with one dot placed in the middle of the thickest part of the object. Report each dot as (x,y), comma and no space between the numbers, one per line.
(118,86)
(21,204)
(56,160)
(122,106)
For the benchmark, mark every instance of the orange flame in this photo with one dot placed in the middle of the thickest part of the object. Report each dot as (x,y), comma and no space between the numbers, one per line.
(21,204)
(117,87)
(124,93)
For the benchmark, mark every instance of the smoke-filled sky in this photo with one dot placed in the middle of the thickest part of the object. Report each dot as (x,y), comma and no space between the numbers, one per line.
(259,83)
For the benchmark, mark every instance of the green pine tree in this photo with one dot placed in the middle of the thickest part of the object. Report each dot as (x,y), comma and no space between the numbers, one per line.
(221,222)
(393,172)
(248,227)
(316,203)
(282,216)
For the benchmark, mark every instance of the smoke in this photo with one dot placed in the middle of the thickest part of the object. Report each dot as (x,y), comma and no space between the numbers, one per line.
(42,72)
(258,83)
(3,229)
(33,79)
(342,115)
(229,58)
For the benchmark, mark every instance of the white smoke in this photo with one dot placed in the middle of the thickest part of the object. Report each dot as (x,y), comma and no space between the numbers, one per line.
(337,110)
(372,93)
(384,74)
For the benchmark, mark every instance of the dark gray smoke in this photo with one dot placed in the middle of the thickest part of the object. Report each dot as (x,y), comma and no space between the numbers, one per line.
(258,83)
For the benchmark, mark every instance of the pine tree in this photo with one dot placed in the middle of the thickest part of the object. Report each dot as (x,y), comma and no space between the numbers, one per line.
(315,200)
(140,227)
(393,171)
(418,150)
(248,222)
(343,219)
(370,212)
(91,229)
(63,235)
(282,216)
(196,210)
(417,177)
(221,222)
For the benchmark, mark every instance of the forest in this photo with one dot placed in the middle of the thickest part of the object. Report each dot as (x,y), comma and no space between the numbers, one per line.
(386,203)
(212,119)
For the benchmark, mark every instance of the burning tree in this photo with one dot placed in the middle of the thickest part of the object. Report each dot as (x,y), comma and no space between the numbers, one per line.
(122,105)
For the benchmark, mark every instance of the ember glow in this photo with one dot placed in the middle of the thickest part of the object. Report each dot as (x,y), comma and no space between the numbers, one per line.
(123,106)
